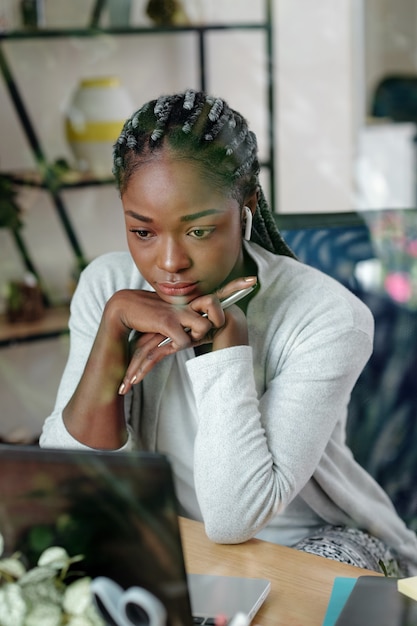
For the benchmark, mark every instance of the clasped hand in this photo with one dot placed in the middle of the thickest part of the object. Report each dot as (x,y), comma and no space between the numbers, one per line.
(154,320)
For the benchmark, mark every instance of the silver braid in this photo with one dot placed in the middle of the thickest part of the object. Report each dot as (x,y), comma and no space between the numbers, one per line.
(188,126)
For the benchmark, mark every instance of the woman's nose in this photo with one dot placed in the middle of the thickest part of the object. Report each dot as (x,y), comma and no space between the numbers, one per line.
(172,256)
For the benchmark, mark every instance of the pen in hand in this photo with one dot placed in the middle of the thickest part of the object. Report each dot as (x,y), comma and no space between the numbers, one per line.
(232,299)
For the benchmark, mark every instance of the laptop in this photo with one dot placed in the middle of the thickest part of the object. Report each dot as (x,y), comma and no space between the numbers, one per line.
(119,510)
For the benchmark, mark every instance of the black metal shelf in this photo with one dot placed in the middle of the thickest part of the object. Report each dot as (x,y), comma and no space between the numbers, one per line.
(42,33)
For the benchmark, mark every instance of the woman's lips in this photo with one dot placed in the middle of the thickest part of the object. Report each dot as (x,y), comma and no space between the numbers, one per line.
(177,289)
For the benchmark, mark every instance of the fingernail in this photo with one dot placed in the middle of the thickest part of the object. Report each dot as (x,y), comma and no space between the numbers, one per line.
(121,389)
(250,279)
(133,379)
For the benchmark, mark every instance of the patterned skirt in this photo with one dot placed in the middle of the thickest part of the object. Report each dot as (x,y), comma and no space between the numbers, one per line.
(353,547)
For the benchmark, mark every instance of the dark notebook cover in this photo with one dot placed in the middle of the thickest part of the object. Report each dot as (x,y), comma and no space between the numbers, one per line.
(341,590)
(376,601)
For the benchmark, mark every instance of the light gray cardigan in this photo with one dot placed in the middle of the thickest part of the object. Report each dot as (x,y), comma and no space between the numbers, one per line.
(271,415)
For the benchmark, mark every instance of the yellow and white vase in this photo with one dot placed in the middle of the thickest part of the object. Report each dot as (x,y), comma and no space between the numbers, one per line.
(94,120)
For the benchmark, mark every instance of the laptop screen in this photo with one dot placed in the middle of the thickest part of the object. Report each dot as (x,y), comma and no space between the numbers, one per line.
(117,509)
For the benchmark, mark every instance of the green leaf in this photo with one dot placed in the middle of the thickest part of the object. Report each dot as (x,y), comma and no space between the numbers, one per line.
(54,557)
(9,208)
(40,538)
(11,568)
(92,614)
(82,620)
(78,620)
(90,618)
(44,614)
(77,596)
(12,605)
(46,590)
(37,575)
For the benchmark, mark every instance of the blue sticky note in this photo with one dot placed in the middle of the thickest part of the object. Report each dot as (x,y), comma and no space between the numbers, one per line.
(342,588)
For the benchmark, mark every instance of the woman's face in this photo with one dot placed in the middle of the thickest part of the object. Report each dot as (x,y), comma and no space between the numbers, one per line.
(184,235)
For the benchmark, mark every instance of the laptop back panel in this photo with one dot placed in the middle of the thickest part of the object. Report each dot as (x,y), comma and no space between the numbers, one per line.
(117,509)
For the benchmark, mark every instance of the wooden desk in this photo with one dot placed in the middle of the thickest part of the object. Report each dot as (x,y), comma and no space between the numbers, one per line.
(300,583)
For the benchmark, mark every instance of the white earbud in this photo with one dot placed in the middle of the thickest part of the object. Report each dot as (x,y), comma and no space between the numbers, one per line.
(248,223)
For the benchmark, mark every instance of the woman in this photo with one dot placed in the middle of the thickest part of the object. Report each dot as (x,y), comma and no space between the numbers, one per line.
(249,403)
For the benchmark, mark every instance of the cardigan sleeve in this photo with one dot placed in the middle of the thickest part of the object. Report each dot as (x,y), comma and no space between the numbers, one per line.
(258,443)
(97,283)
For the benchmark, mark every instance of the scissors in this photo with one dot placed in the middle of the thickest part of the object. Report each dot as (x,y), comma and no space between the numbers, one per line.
(135,606)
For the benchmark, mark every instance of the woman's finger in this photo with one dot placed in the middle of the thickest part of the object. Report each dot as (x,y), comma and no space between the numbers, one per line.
(144,357)
(245,282)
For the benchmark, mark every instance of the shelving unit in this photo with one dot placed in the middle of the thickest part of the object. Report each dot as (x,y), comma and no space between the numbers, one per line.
(45,176)
(52,325)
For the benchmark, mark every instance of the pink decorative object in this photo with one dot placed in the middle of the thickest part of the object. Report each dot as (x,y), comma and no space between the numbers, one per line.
(412,248)
(394,238)
(398,286)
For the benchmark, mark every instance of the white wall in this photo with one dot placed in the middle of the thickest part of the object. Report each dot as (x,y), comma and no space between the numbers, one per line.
(316,105)
(29,378)
(386,163)
(390,40)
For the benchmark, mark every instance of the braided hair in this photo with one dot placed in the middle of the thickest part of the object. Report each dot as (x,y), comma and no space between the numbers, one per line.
(204,129)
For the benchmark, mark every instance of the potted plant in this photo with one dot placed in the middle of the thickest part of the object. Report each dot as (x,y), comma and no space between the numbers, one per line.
(25,299)
(45,594)
(10,211)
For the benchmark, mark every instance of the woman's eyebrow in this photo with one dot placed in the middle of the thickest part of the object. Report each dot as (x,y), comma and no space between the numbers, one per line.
(185,218)
(137,216)
(195,216)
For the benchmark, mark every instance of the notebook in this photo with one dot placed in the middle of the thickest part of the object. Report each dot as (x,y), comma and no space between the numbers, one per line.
(120,511)
(376,601)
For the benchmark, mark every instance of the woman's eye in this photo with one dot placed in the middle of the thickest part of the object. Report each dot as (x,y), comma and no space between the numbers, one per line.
(200,233)
(141,234)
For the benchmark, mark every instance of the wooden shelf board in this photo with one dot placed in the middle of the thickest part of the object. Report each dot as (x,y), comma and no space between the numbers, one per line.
(72,178)
(54,322)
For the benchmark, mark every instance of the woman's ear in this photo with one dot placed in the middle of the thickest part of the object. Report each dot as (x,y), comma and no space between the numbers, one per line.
(252,201)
